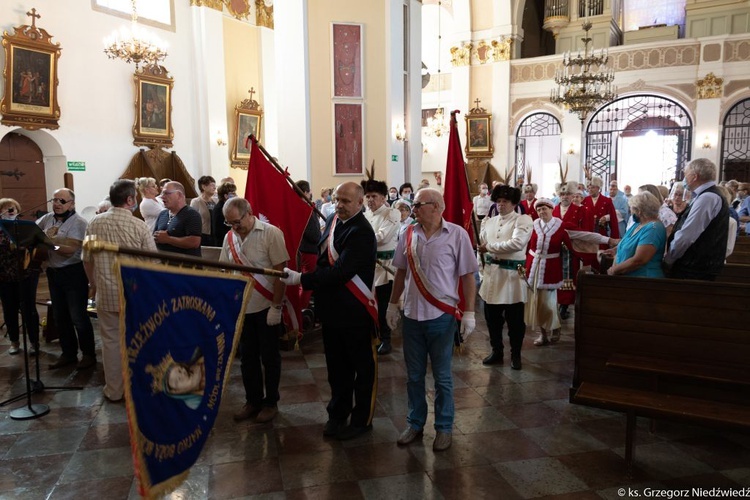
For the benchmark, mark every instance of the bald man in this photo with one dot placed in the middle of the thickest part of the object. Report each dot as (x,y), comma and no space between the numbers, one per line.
(345,303)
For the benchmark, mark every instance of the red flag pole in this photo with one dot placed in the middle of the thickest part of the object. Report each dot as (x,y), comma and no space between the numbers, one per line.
(287,177)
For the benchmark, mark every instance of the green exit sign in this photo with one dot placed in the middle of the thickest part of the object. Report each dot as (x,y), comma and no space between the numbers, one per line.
(394,157)
(76,166)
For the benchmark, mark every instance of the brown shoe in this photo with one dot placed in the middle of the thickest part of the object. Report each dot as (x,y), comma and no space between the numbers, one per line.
(442,442)
(248,411)
(267,414)
(86,362)
(409,435)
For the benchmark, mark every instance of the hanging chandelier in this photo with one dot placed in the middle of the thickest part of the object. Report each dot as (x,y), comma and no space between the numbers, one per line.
(437,125)
(136,45)
(585,81)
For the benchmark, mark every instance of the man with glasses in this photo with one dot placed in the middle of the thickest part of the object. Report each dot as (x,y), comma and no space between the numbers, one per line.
(343,297)
(68,284)
(255,243)
(178,227)
(430,260)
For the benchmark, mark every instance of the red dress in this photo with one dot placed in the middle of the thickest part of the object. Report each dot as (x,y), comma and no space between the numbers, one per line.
(603,206)
(575,219)
(530,210)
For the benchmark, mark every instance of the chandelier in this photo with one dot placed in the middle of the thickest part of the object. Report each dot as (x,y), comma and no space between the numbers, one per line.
(136,45)
(437,125)
(585,81)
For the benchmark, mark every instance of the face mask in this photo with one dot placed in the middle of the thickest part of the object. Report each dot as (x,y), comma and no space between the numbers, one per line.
(328,198)
(685,185)
(393,195)
(7,216)
(484,191)
(231,195)
(134,207)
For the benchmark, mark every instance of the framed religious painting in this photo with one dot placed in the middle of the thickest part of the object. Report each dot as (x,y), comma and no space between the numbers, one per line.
(153,107)
(248,117)
(479,134)
(348,144)
(347,60)
(30,99)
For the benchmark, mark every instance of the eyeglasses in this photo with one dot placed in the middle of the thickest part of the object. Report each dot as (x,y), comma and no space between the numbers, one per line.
(61,201)
(420,204)
(234,223)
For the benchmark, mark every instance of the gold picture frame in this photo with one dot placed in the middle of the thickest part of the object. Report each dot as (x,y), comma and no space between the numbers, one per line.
(479,133)
(30,73)
(153,107)
(248,118)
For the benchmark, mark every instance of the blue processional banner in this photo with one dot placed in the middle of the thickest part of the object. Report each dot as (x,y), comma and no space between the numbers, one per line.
(179,329)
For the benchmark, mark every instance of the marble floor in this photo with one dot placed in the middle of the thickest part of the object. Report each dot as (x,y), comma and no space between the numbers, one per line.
(515,436)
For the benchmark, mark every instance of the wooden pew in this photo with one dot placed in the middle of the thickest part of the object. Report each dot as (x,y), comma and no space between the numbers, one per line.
(661,348)
(741,253)
(734,273)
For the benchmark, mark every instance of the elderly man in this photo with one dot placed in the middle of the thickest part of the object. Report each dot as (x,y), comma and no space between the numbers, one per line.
(68,284)
(116,225)
(178,227)
(431,259)
(503,240)
(529,198)
(601,210)
(255,243)
(482,202)
(696,249)
(386,223)
(344,300)
(620,201)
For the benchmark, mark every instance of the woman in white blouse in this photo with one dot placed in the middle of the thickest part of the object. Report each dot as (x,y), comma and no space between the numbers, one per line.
(150,206)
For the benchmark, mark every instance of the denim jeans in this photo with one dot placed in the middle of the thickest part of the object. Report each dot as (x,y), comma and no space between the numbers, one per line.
(434,338)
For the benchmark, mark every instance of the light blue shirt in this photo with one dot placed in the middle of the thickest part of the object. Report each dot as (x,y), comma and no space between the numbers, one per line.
(623,210)
(703,209)
(744,211)
(651,233)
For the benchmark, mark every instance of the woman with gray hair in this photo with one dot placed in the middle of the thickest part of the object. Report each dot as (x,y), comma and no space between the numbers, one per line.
(666,215)
(641,250)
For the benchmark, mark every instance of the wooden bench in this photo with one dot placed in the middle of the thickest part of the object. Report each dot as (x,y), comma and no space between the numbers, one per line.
(741,252)
(663,349)
(734,273)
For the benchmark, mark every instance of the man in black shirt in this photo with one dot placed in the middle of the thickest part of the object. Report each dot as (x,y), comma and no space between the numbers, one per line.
(178,227)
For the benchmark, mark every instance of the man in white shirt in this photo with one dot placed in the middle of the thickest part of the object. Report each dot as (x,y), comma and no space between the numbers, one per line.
(482,202)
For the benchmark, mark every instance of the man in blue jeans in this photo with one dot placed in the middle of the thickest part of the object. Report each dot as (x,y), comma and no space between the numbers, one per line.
(430,260)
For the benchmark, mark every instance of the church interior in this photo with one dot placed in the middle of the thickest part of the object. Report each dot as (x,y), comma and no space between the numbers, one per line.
(329,88)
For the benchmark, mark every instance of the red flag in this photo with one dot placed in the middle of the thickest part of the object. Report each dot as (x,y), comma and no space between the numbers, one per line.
(458,204)
(275,201)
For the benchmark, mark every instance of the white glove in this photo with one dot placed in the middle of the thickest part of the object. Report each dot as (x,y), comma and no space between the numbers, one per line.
(293,277)
(392,315)
(468,323)
(273,317)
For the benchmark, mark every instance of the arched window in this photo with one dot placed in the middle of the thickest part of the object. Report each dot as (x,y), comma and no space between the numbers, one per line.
(537,143)
(157,13)
(735,143)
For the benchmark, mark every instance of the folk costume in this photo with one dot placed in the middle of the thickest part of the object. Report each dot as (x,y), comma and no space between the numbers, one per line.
(502,289)
(601,207)
(544,275)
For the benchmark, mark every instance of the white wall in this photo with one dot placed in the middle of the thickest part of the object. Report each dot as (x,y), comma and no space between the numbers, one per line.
(96,95)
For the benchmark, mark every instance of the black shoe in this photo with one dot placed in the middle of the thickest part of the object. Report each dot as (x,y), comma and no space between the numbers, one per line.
(564,313)
(515,362)
(332,427)
(495,358)
(352,431)
(385,348)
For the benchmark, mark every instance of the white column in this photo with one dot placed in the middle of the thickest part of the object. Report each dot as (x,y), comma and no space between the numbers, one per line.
(269,88)
(292,87)
(210,91)
(707,115)
(394,81)
(414,130)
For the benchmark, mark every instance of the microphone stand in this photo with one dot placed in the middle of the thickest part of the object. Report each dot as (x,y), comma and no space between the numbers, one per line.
(32,209)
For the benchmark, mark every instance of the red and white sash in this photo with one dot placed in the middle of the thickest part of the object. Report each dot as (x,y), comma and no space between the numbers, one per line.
(420,280)
(262,284)
(356,286)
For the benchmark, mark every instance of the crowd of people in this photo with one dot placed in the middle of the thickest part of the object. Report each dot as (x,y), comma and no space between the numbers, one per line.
(378,256)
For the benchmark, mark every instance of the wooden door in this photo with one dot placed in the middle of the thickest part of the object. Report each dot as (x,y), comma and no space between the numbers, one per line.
(22,174)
